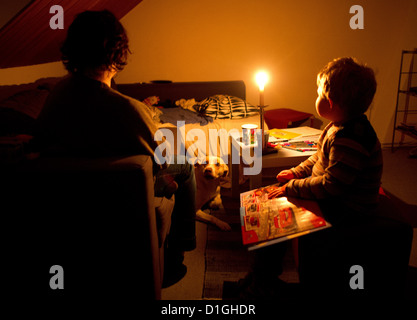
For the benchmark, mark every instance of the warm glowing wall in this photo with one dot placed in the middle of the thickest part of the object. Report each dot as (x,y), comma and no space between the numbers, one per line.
(192,40)
(187,40)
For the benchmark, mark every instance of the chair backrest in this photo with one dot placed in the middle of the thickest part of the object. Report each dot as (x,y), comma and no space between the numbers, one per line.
(93,217)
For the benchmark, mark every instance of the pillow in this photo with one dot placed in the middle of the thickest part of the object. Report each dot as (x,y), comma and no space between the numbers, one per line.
(226,107)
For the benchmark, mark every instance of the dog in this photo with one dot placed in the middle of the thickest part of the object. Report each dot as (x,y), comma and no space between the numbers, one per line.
(207,176)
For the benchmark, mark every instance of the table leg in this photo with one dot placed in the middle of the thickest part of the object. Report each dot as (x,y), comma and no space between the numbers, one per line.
(234,172)
(235,180)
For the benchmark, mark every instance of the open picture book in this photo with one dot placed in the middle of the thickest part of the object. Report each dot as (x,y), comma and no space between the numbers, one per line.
(267,221)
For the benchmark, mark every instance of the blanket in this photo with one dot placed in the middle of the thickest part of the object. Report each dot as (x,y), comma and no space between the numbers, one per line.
(172,115)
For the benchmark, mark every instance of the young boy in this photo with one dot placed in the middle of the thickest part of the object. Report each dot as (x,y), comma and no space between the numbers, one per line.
(346,170)
(344,175)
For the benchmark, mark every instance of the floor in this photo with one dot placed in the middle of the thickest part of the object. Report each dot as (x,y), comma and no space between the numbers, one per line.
(398,178)
(399,173)
(191,286)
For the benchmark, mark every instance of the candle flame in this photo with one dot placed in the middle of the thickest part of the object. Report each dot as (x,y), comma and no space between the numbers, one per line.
(261,79)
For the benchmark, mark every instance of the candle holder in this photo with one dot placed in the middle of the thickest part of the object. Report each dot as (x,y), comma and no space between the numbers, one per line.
(262,124)
(264,142)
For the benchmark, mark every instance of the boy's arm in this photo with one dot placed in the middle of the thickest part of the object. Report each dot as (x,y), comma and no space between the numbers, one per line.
(346,163)
(304,169)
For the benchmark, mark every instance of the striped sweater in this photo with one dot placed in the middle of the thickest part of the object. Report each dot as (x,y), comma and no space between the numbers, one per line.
(347,167)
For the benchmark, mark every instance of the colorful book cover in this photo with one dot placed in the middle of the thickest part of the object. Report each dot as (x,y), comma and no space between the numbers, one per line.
(267,221)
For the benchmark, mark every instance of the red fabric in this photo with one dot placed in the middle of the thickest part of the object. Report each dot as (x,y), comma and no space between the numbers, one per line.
(279,118)
(27,39)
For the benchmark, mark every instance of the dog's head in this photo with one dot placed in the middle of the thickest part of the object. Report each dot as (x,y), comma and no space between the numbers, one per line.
(213,168)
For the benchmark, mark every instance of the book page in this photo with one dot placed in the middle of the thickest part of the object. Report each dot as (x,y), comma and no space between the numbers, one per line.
(264,219)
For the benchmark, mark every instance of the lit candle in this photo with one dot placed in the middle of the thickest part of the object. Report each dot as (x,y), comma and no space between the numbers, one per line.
(261,96)
(261,79)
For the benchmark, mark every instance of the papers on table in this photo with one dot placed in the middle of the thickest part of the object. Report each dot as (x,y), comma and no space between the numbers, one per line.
(293,134)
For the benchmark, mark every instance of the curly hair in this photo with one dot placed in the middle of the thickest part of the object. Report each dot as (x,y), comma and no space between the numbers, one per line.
(349,84)
(96,41)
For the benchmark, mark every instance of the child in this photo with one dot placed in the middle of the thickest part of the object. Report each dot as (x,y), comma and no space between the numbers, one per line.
(344,175)
(346,170)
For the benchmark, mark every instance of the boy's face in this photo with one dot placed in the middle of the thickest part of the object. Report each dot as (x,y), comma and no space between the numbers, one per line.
(323,107)
(327,109)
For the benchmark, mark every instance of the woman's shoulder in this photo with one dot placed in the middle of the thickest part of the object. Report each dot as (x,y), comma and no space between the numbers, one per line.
(136,105)
(125,101)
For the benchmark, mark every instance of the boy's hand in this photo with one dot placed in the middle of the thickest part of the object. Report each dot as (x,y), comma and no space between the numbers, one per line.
(285,176)
(279,192)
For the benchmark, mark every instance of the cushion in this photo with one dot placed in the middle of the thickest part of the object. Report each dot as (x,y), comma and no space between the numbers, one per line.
(281,118)
(225,107)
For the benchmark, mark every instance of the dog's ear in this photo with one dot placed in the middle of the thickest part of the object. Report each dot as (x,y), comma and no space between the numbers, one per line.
(197,161)
(225,173)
